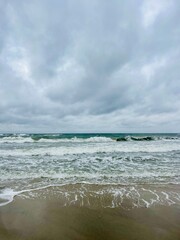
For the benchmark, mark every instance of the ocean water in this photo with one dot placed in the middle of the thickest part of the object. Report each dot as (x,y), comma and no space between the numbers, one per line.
(111,170)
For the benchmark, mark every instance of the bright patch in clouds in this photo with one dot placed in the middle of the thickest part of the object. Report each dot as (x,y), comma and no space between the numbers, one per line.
(150,69)
(152,8)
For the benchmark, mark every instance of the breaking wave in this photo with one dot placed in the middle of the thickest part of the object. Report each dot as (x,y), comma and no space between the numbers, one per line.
(80,138)
(145,138)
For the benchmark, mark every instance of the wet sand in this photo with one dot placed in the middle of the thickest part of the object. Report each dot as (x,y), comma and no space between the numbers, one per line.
(47,219)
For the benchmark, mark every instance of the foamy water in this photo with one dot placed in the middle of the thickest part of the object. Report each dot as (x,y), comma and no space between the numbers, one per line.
(32,162)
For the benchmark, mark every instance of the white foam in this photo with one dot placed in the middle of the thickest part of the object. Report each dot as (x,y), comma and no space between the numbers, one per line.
(22,139)
(7,196)
(168,199)
(16,139)
(106,147)
(111,196)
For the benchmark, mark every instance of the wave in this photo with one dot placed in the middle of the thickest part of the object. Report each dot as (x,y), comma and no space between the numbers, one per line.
(29,139)
(79,138)
(131,138)
(145,138)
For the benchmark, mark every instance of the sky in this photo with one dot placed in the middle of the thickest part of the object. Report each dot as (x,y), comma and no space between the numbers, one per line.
(90,66)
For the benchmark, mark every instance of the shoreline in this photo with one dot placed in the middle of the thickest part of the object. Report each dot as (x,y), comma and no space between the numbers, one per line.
(97,195)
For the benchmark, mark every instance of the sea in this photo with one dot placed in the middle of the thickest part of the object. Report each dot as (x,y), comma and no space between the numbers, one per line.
(106,170)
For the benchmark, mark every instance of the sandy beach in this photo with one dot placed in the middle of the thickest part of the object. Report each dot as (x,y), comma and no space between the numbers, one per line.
(46,219)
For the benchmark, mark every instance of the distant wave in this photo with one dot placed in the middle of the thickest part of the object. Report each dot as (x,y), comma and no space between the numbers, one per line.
(33,138)
(132,138)
(20,139)
(145,138)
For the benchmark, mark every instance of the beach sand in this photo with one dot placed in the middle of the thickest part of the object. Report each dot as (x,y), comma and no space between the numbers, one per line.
(46,219)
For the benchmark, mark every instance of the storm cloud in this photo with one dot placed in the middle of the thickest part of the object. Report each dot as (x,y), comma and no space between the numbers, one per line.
(90,66)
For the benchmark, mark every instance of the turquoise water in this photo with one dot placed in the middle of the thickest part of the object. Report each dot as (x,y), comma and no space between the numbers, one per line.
(89,135)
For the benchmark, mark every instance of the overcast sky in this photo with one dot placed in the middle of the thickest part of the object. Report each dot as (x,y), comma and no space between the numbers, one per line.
(90,66)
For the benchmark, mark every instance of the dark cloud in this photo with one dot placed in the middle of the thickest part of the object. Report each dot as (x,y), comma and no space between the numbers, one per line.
(69,66)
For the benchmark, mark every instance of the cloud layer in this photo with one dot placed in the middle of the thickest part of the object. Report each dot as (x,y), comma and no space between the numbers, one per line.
(89,66)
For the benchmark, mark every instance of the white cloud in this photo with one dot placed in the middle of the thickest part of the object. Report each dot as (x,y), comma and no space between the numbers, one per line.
(152,8)
(149,69)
